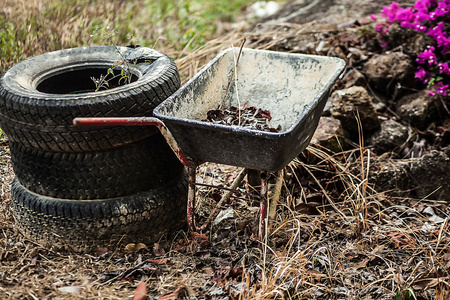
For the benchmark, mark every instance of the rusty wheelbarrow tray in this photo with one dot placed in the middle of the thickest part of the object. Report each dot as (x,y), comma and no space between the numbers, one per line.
(293,87)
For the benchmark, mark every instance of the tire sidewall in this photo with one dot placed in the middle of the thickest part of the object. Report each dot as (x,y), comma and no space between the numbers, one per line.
(23,78)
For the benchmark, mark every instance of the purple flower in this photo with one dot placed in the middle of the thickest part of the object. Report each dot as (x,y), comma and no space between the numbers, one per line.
(423,75)
(390,12)
(444,68)
(422,17)
(384,44)
(420,27)
(423,5)
(442,10)
(431,17)
(445,45)
(427,57)
(437,31)
(441,88)
(379,28)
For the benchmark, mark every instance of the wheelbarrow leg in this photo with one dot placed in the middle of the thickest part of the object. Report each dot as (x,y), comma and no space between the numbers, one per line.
(263,206)
(192,170)
(267,208)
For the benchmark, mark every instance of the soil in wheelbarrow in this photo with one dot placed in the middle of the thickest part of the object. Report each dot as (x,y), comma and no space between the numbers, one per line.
(249,117)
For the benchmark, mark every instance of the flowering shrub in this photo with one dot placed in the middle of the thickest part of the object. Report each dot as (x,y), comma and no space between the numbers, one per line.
(431,17)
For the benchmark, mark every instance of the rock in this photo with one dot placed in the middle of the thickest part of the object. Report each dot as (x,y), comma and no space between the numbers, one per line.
(354,77)
(263,9)
(326,11)
(345,105)
(386,175)
(412,42)
(389,176)
(387,72)
(329,134)
(419,109)
(391,136)
(431,174)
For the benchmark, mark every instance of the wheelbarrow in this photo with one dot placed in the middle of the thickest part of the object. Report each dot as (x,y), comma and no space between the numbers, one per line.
(293,87)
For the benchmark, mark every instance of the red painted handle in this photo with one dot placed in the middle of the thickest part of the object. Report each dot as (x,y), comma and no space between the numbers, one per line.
(137,121)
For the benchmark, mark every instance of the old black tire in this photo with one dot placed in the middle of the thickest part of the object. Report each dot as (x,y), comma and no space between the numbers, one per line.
(40,97)
(126,170)
(84,225)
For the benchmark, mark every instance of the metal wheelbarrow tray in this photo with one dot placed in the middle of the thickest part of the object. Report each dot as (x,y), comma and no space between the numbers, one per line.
(293,87)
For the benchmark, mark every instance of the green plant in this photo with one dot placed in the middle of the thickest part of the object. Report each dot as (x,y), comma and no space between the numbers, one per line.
(405,293)
(10,49)
(192,22)
(124,77)
(124,66)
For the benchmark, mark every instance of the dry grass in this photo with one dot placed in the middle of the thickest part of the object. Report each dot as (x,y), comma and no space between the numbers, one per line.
(358,245)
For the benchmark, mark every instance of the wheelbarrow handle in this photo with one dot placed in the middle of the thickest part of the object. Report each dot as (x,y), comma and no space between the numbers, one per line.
(137,121)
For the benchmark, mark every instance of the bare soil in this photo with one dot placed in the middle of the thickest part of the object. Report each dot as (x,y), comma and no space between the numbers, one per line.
(245,117)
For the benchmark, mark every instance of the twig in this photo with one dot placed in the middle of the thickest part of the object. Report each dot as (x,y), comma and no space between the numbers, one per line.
(225,197)
(230,80)
(275,197)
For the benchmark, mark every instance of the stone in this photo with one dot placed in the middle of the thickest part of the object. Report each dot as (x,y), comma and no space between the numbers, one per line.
(348,104)
(329,134)
(430,175)
(419,109)
(387,72)
(391,136)
(354,77)
(411,41)
(389,175)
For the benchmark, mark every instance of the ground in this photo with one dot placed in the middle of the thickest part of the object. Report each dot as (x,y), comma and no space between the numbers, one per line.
(340,230)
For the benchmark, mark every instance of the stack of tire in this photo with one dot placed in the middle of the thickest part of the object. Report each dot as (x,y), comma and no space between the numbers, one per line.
(91,186)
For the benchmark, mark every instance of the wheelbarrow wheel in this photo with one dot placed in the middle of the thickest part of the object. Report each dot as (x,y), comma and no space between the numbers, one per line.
(117,172)
(40,96)
(84,225)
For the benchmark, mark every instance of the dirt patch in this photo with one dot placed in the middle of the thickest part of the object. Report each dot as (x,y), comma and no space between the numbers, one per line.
(331,12)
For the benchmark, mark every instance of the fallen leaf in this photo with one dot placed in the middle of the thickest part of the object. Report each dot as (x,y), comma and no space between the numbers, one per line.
(200,238)
(235,272)
(160,261)
(401,240)
(180,245)
(99,251)
(362,264)
(141,291)
(33,261)
(224,214)
(242,225)
(316,274)
(158,250)
(172,296)
(428,282)
(209,271)
(398,278)
(221,274)
(133,248)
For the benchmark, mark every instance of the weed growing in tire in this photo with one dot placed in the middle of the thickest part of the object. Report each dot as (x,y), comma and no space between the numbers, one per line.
(431,17)
(125,76)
